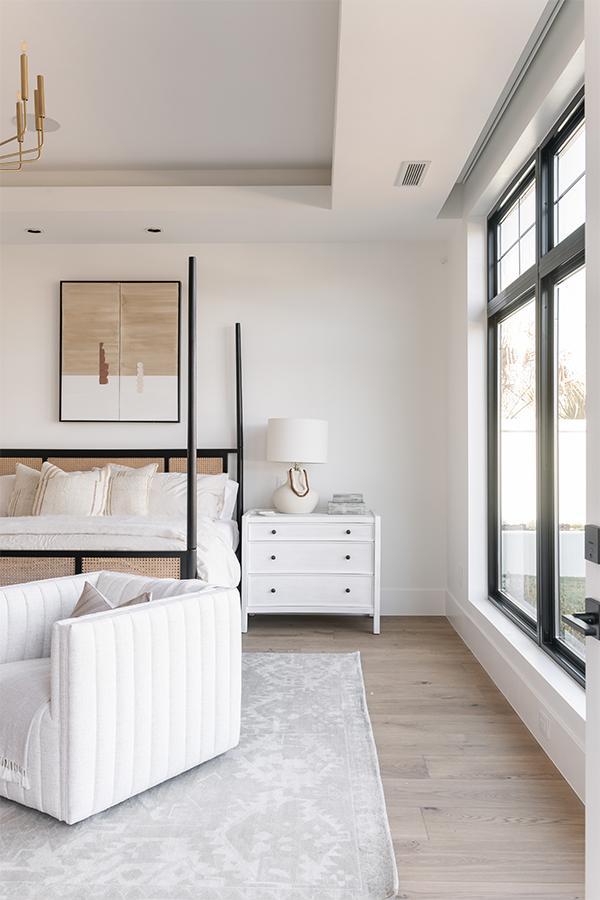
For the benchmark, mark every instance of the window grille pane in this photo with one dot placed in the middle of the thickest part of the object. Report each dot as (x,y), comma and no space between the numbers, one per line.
(527,249)
(516,239)
(527,209)
(570,211)
(508,268)
(508,230)
(570,161)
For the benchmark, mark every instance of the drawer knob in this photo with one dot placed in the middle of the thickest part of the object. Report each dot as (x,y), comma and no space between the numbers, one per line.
(347,590)
(272,590)
(348,531)
(347,557)
(273,531)
(273,557)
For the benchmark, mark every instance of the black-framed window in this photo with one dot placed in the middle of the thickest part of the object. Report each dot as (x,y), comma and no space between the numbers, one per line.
(536,392)
(515,235)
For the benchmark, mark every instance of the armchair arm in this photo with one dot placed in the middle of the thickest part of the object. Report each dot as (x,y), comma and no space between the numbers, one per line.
(28,612)
(144,693)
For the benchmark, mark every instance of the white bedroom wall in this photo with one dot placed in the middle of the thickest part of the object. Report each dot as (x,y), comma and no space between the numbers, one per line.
(457,415)
(353,333)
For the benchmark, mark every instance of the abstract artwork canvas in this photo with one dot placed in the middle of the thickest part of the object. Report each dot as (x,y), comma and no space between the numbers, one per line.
(119,355)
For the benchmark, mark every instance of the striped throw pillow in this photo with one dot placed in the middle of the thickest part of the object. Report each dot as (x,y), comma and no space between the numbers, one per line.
(24,489)
(70,493)
(129,490)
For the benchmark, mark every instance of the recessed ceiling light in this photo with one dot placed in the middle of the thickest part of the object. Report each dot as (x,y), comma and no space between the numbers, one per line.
(34,231)
(154,230)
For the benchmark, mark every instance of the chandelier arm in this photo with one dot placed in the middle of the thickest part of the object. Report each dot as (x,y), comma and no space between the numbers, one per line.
(7,160)
(20,154)
(38,155)
(8,140)
(8,167)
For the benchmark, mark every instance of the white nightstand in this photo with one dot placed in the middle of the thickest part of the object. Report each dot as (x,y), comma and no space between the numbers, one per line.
(311,564)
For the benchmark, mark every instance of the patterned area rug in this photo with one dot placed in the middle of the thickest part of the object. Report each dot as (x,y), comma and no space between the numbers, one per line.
(296,812)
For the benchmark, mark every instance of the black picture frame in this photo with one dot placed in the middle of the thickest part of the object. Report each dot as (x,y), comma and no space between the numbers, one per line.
(174,281)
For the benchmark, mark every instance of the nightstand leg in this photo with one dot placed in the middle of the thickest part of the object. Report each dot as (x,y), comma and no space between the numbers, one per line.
(377,578)
(244,620)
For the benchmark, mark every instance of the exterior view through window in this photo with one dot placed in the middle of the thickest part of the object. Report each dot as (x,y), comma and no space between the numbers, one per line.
(518,458)
(569,314)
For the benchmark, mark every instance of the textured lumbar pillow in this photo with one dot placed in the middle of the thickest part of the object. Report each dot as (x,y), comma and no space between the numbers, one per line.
(7,484)
(70,493)
(92,601)
(23,492)
(129,490)
(168,495)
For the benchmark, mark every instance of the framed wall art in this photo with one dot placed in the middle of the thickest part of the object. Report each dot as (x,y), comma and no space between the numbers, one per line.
(120,351)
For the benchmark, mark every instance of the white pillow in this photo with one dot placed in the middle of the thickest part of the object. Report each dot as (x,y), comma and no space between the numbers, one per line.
(231,491)
(129,490)
(70,493)
(93,601)
(7,483)
(168,495)
(24,489)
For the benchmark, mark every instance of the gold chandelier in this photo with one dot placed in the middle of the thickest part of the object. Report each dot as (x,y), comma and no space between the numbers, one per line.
(16,160)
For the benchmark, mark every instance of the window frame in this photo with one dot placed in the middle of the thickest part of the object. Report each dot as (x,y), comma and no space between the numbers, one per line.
(518,186)
(553,263)
(566,126)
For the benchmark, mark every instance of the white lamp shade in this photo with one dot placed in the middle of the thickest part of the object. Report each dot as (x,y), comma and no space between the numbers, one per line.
(297,440)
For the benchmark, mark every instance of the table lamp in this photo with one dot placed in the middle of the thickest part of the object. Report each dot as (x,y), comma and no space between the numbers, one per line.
(296,441)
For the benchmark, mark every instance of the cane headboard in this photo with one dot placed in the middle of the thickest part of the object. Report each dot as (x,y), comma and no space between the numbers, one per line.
(209,462)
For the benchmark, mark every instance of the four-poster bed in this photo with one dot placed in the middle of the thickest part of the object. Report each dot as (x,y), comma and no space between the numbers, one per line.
(28,563)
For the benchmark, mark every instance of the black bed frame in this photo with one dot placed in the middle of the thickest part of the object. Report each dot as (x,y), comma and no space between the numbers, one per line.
(187,558)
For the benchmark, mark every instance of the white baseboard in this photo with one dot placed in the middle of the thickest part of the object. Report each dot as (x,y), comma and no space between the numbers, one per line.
(531,682)
(413,602)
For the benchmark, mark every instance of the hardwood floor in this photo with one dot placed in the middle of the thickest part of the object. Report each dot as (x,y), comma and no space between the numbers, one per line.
(476,808)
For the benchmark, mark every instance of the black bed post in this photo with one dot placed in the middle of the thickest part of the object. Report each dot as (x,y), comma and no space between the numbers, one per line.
(192,440)
(239,420)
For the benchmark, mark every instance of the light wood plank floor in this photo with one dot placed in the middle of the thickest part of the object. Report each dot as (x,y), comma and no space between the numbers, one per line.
(476,808)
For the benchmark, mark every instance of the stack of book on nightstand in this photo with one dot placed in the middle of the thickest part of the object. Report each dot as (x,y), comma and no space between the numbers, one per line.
(347,505)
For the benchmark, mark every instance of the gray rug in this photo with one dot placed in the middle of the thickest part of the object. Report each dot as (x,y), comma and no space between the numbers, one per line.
(296,812)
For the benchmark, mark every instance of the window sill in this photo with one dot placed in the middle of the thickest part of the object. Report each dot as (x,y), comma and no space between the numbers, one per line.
(529,628)
(548,700)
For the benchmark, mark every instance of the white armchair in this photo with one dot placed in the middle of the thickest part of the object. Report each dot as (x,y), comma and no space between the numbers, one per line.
(137,695)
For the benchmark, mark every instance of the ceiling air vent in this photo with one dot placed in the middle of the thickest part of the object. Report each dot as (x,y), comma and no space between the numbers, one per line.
(412,172)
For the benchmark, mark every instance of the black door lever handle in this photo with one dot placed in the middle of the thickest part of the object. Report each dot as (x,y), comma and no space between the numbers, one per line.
(584,623)
(587,622)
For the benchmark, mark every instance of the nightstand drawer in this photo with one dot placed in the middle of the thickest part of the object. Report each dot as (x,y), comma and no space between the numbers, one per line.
(305,557)
(280,530)
(309,593)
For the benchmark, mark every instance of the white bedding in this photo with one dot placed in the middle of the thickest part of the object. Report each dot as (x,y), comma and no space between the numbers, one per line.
(229,531)
(217,562)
